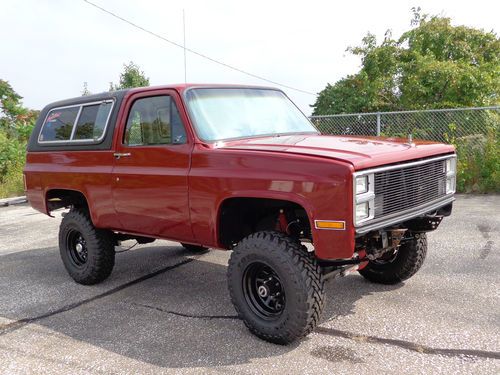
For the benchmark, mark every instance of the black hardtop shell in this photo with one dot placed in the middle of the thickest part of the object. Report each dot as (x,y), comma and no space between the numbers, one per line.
(104,144)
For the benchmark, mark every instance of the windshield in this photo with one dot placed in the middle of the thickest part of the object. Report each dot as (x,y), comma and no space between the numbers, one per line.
(225,113)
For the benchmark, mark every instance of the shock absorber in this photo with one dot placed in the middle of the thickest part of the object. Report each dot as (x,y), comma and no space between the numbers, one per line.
(282,222)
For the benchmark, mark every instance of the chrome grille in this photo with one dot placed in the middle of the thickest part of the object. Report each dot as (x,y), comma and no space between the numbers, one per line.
(408,187)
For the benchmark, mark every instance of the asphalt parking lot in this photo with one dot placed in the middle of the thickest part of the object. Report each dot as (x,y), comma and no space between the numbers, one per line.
(166,310)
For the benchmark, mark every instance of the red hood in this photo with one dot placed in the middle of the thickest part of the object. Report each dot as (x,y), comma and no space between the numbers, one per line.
(361,152)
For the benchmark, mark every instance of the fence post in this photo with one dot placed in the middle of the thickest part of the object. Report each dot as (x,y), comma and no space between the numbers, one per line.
(378,124)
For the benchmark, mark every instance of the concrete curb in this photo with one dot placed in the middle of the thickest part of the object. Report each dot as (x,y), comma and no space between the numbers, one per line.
(12,201)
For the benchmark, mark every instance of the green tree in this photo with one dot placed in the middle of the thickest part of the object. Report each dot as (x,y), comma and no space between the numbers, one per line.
(16,124)
(432,65)
(131,77)
(16,121)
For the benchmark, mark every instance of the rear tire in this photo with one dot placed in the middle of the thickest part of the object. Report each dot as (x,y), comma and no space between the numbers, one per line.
(88,253)
(194,248)
(407,261)
(276,287)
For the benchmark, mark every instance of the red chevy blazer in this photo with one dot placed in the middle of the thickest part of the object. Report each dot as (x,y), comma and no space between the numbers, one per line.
(237,168)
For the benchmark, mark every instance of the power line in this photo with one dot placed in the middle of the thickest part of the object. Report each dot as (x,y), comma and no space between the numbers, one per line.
(195,52)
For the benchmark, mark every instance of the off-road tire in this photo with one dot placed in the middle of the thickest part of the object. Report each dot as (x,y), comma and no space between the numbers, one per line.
(408,260)
(301,278)
(100,246)
(194,248)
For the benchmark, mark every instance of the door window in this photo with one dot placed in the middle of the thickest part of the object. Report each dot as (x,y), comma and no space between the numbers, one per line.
(154,121)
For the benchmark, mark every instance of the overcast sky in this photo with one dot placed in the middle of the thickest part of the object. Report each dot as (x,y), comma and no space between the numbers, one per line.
(48,48)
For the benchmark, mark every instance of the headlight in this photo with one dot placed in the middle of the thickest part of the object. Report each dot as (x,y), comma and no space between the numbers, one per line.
(361,184)
(362,211)
(451,166)
(450,185)
(451,173)
(448,165)
(364,197)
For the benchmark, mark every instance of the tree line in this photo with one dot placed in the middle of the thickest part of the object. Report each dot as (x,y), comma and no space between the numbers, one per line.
(17,121)
(432,65)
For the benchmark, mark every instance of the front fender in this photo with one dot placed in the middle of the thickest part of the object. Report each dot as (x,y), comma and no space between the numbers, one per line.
(321,186)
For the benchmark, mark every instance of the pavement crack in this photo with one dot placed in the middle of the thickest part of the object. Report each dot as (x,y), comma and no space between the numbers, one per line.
(185,315)
(408,345)
(15,325)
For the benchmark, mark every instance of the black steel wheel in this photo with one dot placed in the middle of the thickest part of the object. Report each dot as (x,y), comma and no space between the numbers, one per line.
(76,246)
(401,264)
(88,253)
(276,287)
(263,290)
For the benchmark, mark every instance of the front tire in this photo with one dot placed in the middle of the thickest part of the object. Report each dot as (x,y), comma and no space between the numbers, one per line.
(407,261)
(88,253)
(276,287)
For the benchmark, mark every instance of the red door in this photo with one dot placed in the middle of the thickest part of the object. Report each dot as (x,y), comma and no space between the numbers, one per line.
(150,193)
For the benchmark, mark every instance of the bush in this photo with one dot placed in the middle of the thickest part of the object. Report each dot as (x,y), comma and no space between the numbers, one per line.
(16,124)
(12,159)
(12,183)
(479,162)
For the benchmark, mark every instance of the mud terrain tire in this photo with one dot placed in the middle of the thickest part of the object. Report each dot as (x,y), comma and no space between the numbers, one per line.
(88,253)
(408,260)
(270,266)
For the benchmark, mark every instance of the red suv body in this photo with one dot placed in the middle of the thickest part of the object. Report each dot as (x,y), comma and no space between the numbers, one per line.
(195,164)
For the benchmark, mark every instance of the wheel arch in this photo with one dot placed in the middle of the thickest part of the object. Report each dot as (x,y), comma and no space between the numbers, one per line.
(56,198)
(239,215)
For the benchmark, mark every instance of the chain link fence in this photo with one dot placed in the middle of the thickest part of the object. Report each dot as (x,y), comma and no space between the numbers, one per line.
(475,132)
(468,127)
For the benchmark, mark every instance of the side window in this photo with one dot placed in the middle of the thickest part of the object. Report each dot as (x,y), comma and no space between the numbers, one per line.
(154,121)
(59,124)
(92,121)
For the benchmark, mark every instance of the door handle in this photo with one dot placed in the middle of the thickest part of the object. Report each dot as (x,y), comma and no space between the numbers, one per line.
(119,155)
